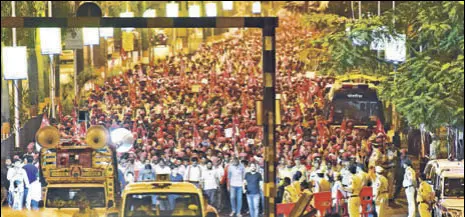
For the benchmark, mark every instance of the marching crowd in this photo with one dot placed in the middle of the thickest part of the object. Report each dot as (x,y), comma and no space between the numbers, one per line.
(193,118)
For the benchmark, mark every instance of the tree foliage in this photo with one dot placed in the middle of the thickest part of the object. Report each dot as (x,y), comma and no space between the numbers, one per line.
(428,87)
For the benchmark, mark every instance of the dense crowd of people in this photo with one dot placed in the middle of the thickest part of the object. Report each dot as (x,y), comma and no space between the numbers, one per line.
(193,118)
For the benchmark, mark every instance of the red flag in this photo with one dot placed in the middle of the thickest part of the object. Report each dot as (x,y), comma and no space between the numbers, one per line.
(343,125)
(331,114)
(321,130)
(45,121)
(83,129)
(134,127)
(379,126)
(244,105)
(298,112)
(196,135)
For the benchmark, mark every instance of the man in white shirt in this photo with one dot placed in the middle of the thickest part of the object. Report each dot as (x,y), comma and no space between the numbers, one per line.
(162,169)
(210,182)
(193,173)
(18,180)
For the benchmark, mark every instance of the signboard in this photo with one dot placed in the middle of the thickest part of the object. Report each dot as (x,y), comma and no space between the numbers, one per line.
(228,132)
(395,49)
(379,41)
(50,40)
(128,41)
(73,39)
(91,36)
(196,88)
(310,75)
(14,63)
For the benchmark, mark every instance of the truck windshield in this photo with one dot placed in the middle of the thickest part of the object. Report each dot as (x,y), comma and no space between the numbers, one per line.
(162,204)
(67,197)
(453,187)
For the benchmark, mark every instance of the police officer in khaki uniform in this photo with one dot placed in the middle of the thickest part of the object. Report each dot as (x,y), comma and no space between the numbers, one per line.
(353,189)
(380,192)
(409,185)
(390,168)
(376,158)
(425,197)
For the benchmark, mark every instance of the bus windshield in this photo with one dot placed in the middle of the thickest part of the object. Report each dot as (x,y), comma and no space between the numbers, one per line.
(67,197)
(162,204)
(360,111)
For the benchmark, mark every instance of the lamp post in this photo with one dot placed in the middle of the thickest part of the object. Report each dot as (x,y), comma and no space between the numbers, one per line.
(227,5)
(50,43)
(256,7)
(91,38)
(149,13)
(172,10)
(211,12)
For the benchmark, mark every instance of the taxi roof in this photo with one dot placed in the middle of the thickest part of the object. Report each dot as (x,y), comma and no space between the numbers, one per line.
(168,187)
(455,173)
(441,164)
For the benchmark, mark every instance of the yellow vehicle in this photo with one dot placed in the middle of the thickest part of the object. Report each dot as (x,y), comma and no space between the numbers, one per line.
(160,199)
(78,168)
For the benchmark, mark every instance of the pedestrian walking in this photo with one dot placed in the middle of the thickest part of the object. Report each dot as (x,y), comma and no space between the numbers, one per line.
(410,186)
(210,181)
(380,192)
(193,173)
(353,188)
(425,197)
(252,186)
(236,173)
(18,181)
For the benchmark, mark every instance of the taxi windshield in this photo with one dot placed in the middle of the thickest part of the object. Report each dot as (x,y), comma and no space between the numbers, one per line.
(162,204)
(67,197)
(453,187)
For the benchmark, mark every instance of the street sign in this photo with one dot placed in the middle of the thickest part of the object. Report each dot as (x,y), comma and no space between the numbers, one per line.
(128,41)
(50,41)
(379,41)
(395,49)
(74,39)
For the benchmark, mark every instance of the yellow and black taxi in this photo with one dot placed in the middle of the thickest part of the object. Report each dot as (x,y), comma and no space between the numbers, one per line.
(160,199)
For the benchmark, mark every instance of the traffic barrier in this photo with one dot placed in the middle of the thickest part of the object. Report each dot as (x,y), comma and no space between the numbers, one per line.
(284,208)
(366,201)
(341,205)
(323,202)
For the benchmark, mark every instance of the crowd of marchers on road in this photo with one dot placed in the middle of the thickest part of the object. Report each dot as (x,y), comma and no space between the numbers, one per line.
(206,133)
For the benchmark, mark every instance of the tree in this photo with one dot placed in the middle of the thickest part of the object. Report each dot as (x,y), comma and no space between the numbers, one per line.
(428,87)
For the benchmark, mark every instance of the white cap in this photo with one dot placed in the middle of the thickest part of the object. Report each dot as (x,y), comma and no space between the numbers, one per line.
(379,169)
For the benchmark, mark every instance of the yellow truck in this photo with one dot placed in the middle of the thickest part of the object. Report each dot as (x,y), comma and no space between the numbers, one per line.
(78,168)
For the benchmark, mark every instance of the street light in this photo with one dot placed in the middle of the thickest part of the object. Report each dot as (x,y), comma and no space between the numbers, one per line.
(227,5)
(50,43)
(150,13)
(91,38)
(14,63)
(172,9)
(256,7)
(194,11)
(211,9)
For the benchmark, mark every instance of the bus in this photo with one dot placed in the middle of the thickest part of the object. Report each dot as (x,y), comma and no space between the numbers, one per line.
(357,102)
